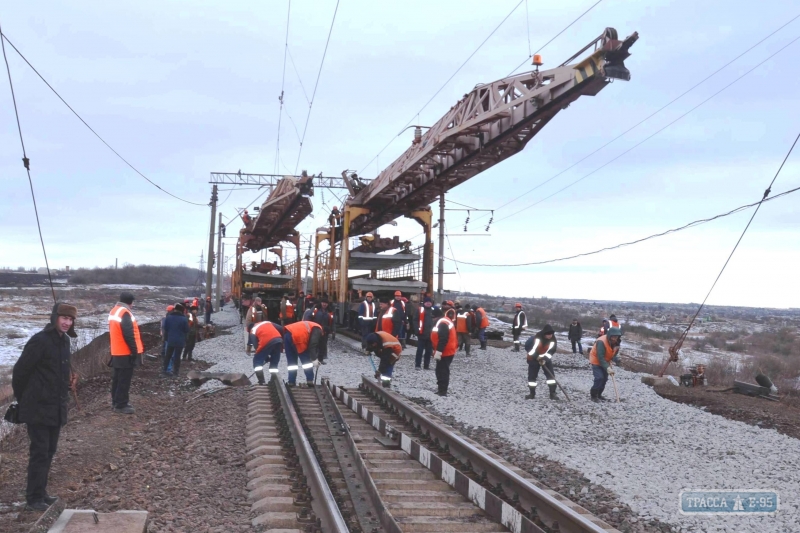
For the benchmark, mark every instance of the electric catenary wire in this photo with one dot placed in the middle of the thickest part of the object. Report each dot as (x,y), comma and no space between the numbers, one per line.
(637,241)
(26,162)
(316,84)
(556,36)
(652,134)
(151,182)
(758,206)
(416,115)
(283,84)
(651,115)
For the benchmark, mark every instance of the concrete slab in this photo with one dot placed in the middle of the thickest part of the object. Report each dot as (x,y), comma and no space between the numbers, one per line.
(655,380)
(81,521)
(368,261)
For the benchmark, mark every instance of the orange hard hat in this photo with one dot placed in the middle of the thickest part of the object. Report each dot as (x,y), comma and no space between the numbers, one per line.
(370,295)
(170,307)
(517,304)
(398,293)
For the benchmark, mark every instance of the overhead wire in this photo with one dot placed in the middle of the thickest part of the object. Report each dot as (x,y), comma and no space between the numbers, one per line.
(651,115)
(303,87)
(556,36)
(283,85)
(27,165)
(416,115)
(738,242)
(316,85)
(3,36)
(637,241)
(615,158)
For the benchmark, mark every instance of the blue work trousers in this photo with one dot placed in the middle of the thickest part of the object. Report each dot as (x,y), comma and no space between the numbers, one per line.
(291,361)
(424,347)
(482,334)
(268,354)
(600,378)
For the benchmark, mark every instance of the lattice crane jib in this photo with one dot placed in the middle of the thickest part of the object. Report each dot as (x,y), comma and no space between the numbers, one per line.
(488,125)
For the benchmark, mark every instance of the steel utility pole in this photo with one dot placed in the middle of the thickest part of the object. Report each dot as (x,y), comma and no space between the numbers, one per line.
(220,258)
(441,247)
(210,269)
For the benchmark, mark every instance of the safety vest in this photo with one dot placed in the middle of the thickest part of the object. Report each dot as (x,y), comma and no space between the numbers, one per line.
(461,323)
(452,340)
(390,342)
(289,310)
(119,347)
(301,333)
(520,320)
(254,314)
(265,332)
(195,302)
(402,304)
(484,318)
(610,352)
(370,309)
(541,347)
(386,321)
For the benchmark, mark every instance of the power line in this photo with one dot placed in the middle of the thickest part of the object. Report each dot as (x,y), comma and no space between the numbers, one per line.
(26,163)
(651,115)
(151,182)
(652,134)
(677,345)
(444,84)
(554,37)
(314,93)
(637,241)
(303,87)
(283,84)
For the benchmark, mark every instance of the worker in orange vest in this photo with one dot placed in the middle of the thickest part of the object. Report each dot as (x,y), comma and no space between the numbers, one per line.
(301,341)
(390,319)
(269,344)
(126,346)
(388,350)
(288,314)
(445,344)
(465,325)
(367,313)
(518,325)
(482,321)
(604,350)
(541,348)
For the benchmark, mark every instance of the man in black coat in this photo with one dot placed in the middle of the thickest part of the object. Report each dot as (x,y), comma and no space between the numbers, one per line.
(575,334)
(41,380)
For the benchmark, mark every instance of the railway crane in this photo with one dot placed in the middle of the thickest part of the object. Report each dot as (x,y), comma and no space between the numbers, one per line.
(489,124)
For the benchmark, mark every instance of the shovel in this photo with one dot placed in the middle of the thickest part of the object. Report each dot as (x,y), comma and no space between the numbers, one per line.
(614,382)
(551,376)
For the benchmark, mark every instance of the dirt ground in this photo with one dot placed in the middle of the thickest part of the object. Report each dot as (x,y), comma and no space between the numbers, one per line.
(754,411)
(172,458)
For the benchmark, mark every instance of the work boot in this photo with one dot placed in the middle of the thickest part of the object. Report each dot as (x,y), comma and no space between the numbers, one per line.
(36,506)
(377,375)
(532,394)
(602,398)
(553,392)
(403,343)
(594,395)
(516,346)
(387,384)
(441,393)
(483,345)
(50,500)
(248,349)
(127,410)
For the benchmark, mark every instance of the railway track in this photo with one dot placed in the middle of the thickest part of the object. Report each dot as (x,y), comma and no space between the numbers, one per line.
(366,460)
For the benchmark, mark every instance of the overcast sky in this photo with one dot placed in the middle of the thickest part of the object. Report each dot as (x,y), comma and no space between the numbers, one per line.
(185,88)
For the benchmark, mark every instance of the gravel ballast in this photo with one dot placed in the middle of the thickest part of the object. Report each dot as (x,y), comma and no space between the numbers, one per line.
(645,449)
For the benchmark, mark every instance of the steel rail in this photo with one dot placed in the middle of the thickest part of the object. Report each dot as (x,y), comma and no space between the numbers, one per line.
(323,502)
(387,521)
(549,508)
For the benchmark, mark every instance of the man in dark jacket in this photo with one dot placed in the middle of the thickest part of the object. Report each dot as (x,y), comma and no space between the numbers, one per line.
(191,337)
(541,348)
(575,335)
(422,325)
(323,316)
(176,327)
(40,381)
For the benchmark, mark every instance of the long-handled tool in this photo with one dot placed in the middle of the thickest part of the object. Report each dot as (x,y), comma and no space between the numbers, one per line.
(614,381)
(551,376)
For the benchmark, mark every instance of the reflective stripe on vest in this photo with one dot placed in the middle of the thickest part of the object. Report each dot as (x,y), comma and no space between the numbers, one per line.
(389,341)
(452,341)
(386,320)
(537,348)
(370,306)
(422,320)
(119,347)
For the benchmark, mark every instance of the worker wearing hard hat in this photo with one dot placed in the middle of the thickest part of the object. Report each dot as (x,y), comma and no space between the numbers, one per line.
(518,325)
(367,315)
(388,350)
(399,303)
(600,356)
(541,348)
